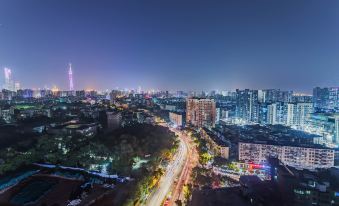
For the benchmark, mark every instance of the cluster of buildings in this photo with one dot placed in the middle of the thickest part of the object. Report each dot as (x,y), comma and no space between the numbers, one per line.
(295,129)
(24,94)
(315,133)
(273,107)
(302,131)
(256,144)
(305,187)
(325,125)
(317,114)
(293,147)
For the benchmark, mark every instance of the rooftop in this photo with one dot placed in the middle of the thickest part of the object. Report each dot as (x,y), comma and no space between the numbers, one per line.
(276,135)
(309,178)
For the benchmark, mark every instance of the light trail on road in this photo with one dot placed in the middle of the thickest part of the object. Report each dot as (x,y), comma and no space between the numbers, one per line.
(185,176)
(173,170)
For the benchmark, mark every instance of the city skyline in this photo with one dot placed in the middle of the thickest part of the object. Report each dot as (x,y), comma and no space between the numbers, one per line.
(168,46)
(9,82)
(169,103)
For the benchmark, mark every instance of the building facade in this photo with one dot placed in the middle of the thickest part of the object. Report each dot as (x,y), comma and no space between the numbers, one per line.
(200,112)
(247,105)
(333,98)
(299,157)
(177,118)
(326,99)
(324,124)
(297,114)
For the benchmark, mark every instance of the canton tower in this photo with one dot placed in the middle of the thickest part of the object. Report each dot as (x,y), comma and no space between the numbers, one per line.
(70,78)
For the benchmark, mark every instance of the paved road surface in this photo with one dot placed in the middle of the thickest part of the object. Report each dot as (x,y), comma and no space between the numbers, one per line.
(185,176)
(173,170)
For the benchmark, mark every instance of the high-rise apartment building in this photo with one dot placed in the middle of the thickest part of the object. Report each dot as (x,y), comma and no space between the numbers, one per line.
(275,95)
(320,97)
(263,111)
(289,114)
(297,114)
(247,105)
(326,98)
(324,124)
(272,114)
(9,84)
(200,112)
(333,98)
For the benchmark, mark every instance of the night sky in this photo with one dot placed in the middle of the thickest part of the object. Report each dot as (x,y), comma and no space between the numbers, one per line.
(170,44)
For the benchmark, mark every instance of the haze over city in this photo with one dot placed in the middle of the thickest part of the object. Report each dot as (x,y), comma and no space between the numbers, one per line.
(171,45)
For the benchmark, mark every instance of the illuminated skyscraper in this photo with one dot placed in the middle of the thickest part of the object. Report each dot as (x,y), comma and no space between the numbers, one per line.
(8,79)
(70,78)
(247,107)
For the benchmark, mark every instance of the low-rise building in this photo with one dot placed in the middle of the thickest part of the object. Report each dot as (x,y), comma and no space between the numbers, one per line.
(75,128)
(215,144)
(177,118)
(304,187)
